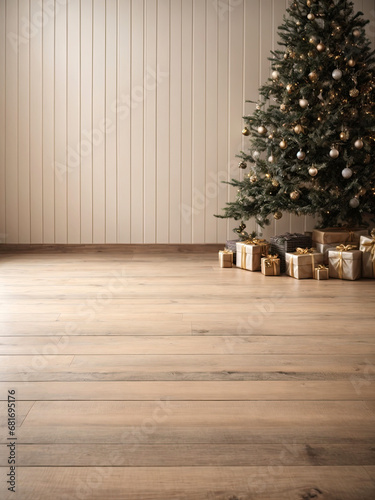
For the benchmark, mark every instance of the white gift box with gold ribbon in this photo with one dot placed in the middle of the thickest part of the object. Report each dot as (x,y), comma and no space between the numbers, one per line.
(367,247)
(249,253)
(345,262)
(301,264)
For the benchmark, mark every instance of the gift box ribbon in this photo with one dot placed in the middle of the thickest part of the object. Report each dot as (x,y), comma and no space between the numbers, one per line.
(370,247)
(343,248)
(271,261)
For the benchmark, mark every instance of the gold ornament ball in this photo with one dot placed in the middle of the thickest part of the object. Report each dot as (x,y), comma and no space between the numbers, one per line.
(344,135)
(283,144)
(283,107)
(308,3)
(262,130)
(242,164)
(313,171)
(351,63)
(245,131)
(356,33)
(294,195)
(313,40)
(321,47)
(354,92)
(358,144)
(275,183)
(277,215)
(289,88)
(362,192)
(253,178)
(298,129)
(313,76)
(310,16)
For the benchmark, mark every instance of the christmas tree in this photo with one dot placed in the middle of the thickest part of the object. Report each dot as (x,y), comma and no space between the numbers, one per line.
(313,130)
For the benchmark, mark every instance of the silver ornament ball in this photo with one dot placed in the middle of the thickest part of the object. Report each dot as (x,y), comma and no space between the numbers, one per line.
(303,103)
(354,203)
(313,171)
(347,173)
(301,155)
(256,155)
(358,144)
(334,153)
(337,74)
(275,75)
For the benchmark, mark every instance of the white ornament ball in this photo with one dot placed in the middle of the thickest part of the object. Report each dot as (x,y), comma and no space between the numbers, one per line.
(310,16)
(313,171)
(256,155)
(334,153)
(262,130)
(347,173)
(337,74)
(301,155)
(356,32)
(275,75)
(358,144)
(303,103)
(271,159)
(354,202)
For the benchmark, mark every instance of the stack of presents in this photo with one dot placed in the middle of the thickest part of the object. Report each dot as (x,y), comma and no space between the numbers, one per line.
(341,253)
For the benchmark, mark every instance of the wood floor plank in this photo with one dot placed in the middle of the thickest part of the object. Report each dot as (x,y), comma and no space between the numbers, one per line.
(194,483)
(321,390)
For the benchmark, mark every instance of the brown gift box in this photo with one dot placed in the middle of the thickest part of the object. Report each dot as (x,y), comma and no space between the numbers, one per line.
(345,262)
(301,264)
(270,265)
(249,253)
(333,235)
(321,272)
(367,246)
(225,258)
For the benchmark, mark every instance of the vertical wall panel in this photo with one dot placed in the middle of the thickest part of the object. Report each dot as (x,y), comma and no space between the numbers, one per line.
(175,123)
(162,117)
(11,116)
(99,124)
(60,170)
(48,123)
(36,122)
(119,119)
(123,119)
(2,122)
(24,127)
(86,121)
(150,84)
(186,121)
(199,199)
(111,136)
(136,129)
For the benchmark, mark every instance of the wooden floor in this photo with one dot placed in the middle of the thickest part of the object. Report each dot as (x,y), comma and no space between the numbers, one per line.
(149,373)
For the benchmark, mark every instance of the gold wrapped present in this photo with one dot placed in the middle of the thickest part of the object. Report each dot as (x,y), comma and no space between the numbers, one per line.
(367,246)
(270,265)
(225,258)
(249,253)
(324,247)
(345,262)
(301,264)
(333,235)
(321,272)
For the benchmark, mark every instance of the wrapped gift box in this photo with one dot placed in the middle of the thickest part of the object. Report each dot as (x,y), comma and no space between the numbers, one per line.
(225,258)
(249,253)
(345,262)
(367,247)
(321,272)
(332,235)
(288,242)
(301,264)
(324,247)
(270,265)
(231,245)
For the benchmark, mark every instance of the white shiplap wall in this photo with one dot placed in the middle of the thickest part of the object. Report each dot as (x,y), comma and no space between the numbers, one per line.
(119,118)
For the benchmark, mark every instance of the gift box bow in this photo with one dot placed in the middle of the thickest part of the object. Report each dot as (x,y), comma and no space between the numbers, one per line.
(304,251)
(321,267)
(370,245)
(345,248)
(226,251)
(270,260)
(254,241)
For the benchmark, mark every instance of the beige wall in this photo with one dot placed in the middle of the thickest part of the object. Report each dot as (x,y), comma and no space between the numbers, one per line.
(118,117)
